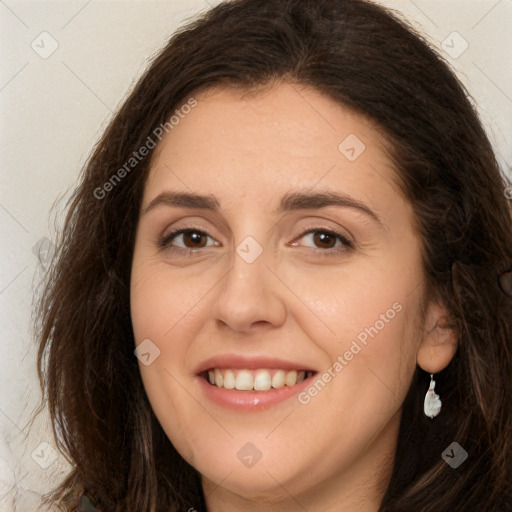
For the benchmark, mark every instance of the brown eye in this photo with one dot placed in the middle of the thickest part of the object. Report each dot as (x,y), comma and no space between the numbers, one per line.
(326,239)
(186,238)
(192,239)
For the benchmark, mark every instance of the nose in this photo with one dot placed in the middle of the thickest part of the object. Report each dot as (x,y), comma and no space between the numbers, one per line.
(250,296)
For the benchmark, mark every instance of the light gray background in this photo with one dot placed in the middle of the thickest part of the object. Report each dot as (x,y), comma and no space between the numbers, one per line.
(55,108)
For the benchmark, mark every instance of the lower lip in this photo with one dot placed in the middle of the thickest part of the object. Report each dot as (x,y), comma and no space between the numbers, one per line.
(250,400)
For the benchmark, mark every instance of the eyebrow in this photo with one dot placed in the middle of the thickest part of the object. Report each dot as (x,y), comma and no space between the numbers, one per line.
(291,201)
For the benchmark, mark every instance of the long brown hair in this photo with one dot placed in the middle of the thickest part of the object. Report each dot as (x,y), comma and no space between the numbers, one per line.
(367,59)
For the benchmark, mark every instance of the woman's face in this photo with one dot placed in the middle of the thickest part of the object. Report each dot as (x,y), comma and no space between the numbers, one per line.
(260,292)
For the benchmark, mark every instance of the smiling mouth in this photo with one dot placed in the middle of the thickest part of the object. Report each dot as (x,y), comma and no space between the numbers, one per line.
(255,380)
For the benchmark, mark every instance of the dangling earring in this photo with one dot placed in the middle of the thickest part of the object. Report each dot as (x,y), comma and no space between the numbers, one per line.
(432,404)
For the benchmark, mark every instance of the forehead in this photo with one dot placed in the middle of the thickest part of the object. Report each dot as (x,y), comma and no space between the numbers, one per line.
(284,137)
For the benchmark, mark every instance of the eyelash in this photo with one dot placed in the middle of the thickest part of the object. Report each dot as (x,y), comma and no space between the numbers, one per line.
(348,245)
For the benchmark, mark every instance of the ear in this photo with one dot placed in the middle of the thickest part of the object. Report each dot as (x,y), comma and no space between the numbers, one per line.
(439,341)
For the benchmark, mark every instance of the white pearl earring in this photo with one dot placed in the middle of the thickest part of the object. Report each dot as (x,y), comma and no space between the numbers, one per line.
(432,404)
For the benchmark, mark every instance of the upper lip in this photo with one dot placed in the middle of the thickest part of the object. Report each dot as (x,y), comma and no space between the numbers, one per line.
(241,362)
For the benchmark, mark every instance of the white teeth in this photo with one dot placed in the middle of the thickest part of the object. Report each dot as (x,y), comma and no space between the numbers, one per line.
(243,381)
(257,380)
(262,381)
(219,379)
(229,379)
(278,379)
(291,378)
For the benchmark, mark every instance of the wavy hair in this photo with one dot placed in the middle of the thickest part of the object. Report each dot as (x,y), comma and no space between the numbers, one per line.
(368,59)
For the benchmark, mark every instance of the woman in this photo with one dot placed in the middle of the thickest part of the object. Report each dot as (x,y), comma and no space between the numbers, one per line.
(284,279)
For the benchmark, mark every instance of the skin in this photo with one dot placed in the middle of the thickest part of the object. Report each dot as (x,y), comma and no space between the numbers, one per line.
(335,452)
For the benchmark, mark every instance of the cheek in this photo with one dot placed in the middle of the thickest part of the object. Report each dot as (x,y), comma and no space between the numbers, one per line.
(371,300)
(361,392)
(363,320)
(161,298)
(166,317)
